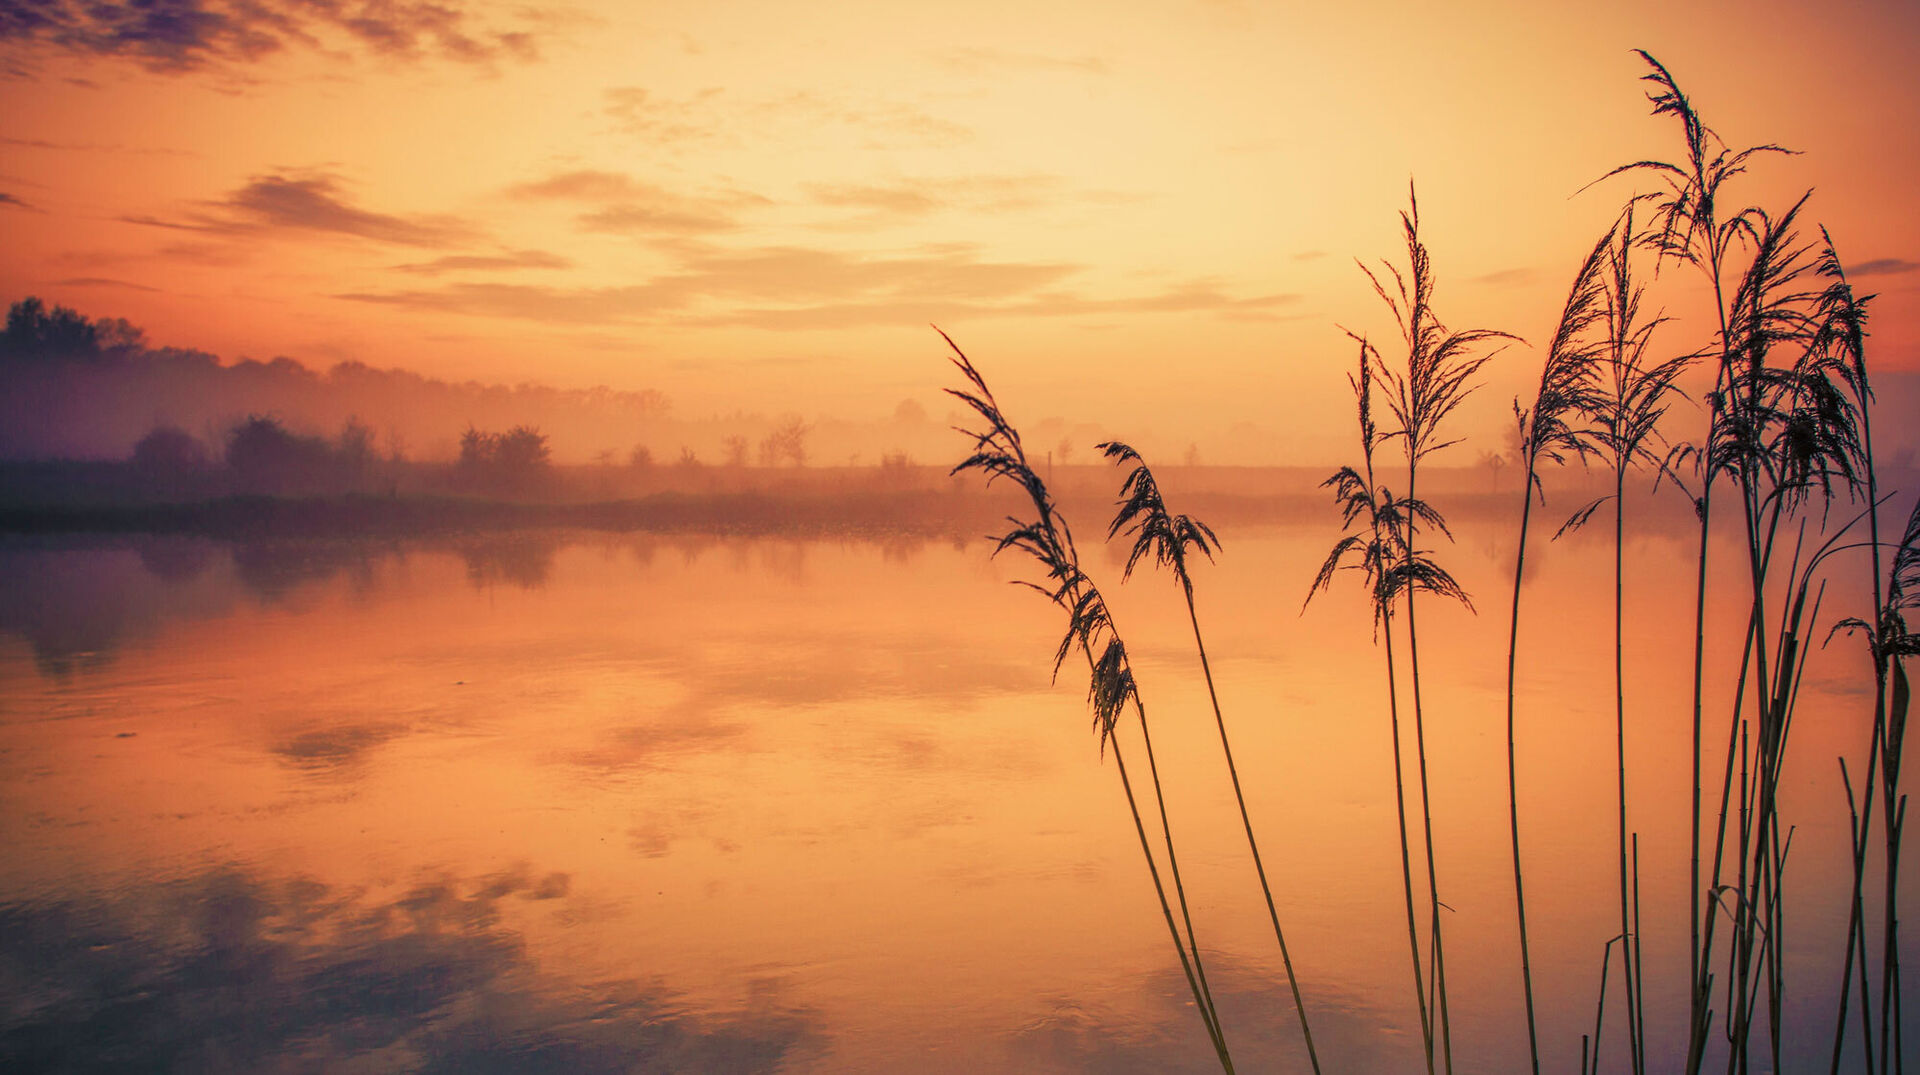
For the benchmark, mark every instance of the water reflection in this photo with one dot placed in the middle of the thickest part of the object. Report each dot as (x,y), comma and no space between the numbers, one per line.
(78,600)
(228,970)
(284,783)
(330,749)
(77,603)
(523,559)
(1149,1024)
(272,570)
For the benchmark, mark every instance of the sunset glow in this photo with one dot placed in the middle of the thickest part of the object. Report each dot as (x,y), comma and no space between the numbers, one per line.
(1142,216)
(613,538)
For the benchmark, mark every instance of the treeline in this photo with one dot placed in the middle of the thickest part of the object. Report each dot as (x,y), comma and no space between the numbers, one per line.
(261,455)
(85,389)
(76,389)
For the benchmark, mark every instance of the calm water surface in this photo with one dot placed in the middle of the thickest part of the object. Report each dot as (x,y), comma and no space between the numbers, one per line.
(579,802)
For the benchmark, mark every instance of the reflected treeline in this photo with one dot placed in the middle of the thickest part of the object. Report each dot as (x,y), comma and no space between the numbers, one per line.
(522,559)
(230,970)
(79,599)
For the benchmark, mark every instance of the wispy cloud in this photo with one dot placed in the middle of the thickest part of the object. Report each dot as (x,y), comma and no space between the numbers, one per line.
(313,203)
(995,61)
(622,204)
(799,287)
(513,259)
(533,303)
(1882,267)
(1195,297)
(920,196)
(89,147)
(712,114)
(101,281)
(176,36)
(9,200)
(886,124)
(636,110)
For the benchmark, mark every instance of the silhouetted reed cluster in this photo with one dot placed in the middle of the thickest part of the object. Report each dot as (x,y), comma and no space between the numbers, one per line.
(1784,462)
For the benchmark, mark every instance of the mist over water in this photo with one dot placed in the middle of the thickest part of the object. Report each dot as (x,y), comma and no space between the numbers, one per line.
(550,800)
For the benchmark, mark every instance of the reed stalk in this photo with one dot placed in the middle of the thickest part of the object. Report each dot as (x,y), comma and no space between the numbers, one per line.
(1690,228)
(1167,538)
(1629,397)
(1566,391)
(1046,537)
(1376,551)
(1436,377)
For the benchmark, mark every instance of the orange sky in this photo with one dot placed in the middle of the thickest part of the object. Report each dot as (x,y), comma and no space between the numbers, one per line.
(1134,214)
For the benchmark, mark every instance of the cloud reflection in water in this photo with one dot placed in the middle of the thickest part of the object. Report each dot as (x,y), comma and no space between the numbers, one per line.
(232,971)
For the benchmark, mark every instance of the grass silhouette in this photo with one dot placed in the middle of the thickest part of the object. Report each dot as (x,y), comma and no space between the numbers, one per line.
(1048,540)
(1788,436)
(1551,430)
(1143,516)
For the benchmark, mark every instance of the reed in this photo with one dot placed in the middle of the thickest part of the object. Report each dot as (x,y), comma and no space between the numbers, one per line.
(1630,396)
(1436,377)
(1048,540)
(1376,550)
(1551,429)
(1787,433)
(1393,565)
(1166,537)
(1692,229)
(1841,335)
(1791,441)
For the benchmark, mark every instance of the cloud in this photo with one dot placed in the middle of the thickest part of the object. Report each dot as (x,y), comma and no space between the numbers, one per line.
(653,219)
(799,287)
(800,274)
(918,197)
(236,970)
(512,259)
(711,114)
(532,303)
(624,204)
(583,185)
(9,200)
(312,202)
(637,111)
(101,281)
(91,147)
(1882,267)
(1195,297)
(177,36)
(992,61)
(888,123)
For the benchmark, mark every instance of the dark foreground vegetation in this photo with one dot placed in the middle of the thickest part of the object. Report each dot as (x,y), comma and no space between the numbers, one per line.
(1762,419)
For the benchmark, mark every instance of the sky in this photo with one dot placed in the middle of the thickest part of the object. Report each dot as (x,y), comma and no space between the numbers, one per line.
(1143,216)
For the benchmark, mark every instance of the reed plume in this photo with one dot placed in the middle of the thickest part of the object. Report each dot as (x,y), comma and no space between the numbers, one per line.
(1550,430)
(1437,376)
(1743,425)
(1624,411)
(1167,538)
(1048,541)
(1390,566)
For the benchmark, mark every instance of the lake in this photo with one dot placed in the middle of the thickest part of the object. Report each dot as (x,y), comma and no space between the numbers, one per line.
(551,800)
